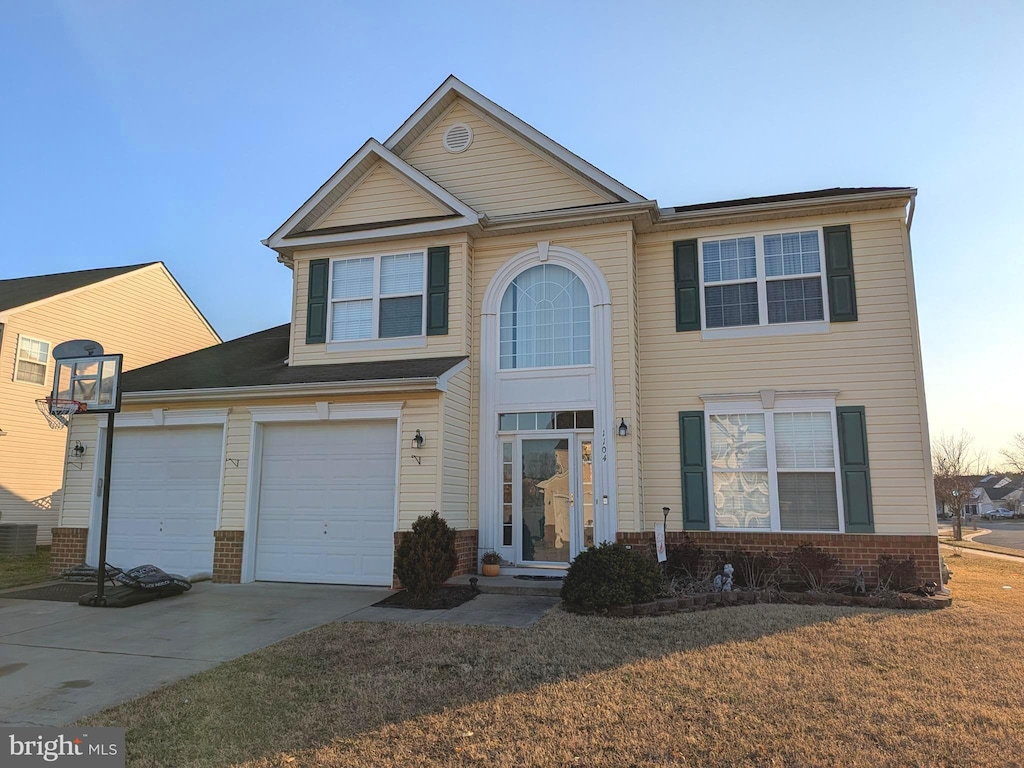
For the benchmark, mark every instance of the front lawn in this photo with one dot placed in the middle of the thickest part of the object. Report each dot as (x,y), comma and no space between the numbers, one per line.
(761,685)
(25,569)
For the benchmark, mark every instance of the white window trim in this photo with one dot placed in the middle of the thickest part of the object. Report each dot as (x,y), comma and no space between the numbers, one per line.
(46,363)
(763,328)
(723,405)
(375,341)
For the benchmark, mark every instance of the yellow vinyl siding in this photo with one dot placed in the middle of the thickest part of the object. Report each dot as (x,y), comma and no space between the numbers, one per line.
(497,174)
(142,314)
(418,491)
(456,425)
(454,343)
(379,197)
(872,362)
(610,247)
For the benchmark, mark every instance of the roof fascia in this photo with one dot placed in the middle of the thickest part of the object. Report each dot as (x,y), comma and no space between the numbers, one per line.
(375,148)
(524,129)
(387,233)
(420,384)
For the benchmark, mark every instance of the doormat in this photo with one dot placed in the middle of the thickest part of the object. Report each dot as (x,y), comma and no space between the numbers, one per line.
(442,599)
(59,593)
(539,578)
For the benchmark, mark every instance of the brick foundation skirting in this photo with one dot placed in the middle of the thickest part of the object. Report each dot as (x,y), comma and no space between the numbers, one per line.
(227,556)
(465,546)
(67,548)
(854,550)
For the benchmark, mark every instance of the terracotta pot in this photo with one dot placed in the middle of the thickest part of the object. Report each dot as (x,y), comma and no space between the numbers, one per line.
(491,569)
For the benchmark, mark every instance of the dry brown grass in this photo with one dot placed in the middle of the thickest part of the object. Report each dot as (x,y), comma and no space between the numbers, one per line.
(765,685)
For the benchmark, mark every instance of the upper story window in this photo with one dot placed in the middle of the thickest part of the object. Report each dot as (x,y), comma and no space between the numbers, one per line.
(545,319)
(31,360)
(763,279)
(377,297)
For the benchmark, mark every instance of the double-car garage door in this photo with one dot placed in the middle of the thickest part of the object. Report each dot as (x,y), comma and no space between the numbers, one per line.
(325,495)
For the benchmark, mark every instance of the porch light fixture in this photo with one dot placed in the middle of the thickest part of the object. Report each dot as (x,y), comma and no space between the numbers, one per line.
(623,428)
(78,450)
(418,440)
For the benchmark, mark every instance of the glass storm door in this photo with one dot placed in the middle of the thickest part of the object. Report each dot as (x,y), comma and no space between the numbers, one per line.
(555,508)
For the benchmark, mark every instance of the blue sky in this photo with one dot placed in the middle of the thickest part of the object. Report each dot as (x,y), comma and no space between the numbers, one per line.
(188,131)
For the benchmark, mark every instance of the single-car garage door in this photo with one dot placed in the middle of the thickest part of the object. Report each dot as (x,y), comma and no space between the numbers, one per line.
(327,503)
(164,495)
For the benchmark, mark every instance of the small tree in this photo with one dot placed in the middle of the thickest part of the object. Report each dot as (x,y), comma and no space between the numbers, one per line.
(426,558)
(956,465)
(1014,455)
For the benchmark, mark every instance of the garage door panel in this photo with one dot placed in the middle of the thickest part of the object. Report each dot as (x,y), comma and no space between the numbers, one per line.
(164,497)
(327,497)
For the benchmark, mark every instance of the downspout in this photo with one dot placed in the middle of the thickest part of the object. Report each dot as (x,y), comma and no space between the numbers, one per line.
(910,212)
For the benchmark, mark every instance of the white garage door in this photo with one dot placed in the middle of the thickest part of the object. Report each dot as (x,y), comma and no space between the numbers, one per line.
(164,497)
(327,503)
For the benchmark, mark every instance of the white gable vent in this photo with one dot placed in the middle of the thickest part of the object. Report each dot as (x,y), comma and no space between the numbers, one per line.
(458,138)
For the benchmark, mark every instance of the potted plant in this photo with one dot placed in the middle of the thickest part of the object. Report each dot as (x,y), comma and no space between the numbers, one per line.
(491,563)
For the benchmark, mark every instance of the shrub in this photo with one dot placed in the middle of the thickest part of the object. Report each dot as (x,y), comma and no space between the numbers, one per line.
(609,574)
(897,574)
(684,559)
(755,570)
(426,558)
(812,566)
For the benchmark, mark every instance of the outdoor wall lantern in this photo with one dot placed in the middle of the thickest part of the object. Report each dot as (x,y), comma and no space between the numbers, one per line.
(623,428)
(418,440)
(78,450)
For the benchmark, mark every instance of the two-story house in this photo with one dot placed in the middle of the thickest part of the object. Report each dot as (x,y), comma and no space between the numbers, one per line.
(487,325)
(140,310)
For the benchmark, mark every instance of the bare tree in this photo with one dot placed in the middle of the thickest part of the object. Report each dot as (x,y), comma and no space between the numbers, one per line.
(956,465)
(1014,455)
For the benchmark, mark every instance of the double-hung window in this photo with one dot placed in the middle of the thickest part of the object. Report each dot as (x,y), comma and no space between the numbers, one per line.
(31,360)
(763,279)
(774,470)
(377,297)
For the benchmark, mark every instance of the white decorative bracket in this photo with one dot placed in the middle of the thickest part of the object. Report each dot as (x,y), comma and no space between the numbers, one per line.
(542,250)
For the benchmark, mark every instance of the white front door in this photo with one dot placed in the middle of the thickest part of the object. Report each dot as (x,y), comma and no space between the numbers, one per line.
(553,498)
(327,503)
(164,497)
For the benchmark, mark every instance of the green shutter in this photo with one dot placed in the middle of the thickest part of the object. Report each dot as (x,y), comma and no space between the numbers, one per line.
(853,465)
(693,463)
(842,291)
(687,281)
(316,301)
(437,291)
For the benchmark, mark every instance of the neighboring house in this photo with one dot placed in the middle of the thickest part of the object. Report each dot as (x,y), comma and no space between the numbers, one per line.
(994,491)
(487,325)
(139,310)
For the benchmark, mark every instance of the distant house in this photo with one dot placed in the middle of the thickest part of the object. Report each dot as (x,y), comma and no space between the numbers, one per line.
(992,491)
(138,310)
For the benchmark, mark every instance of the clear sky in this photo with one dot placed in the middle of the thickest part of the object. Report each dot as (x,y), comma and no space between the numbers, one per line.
(188,131)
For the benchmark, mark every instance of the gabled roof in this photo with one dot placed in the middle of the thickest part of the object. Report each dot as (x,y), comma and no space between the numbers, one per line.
(258,360)
(997,489)
(19,291)
(453,88)
(296,229)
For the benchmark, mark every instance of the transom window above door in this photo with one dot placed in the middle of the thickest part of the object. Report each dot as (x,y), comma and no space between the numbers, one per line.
(545,319)
(377,297)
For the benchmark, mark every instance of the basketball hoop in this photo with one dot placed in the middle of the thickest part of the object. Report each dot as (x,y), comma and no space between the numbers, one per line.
(58,412)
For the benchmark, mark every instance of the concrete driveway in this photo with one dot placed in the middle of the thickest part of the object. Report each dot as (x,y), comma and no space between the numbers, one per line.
(60,661)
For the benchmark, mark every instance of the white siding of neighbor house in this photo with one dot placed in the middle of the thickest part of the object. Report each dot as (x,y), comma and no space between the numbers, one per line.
(874,362)
(498,174)
(142,314)
(379,196)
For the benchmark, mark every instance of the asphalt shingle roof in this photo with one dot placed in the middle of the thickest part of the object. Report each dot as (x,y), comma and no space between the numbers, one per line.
(19,291)
(259,360)
(792,196)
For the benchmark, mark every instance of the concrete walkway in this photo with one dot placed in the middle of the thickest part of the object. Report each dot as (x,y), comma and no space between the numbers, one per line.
(60,661)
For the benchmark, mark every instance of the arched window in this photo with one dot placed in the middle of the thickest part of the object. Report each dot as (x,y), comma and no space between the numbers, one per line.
(545,319)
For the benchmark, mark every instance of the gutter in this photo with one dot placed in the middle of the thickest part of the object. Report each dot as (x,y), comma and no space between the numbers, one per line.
(421,384)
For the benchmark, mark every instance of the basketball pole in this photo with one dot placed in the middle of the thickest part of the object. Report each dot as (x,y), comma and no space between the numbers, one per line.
(101,571)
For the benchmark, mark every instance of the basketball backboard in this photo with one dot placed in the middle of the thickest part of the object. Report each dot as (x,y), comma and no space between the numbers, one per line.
(85,374)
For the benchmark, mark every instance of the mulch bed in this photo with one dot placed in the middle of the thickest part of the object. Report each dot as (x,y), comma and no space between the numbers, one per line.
(442,599)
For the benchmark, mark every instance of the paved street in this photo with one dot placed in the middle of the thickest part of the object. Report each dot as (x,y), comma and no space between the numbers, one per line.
(1004,533)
